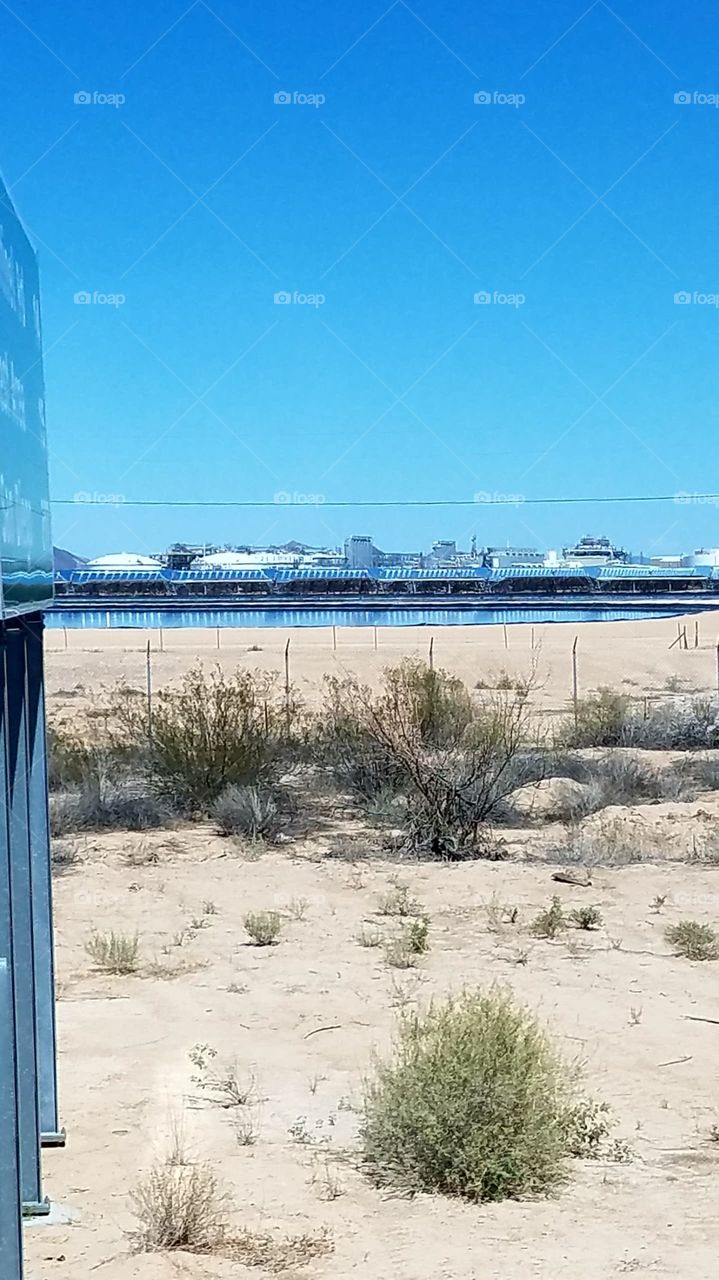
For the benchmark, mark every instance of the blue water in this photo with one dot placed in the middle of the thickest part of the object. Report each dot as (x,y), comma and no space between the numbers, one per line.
(88,619)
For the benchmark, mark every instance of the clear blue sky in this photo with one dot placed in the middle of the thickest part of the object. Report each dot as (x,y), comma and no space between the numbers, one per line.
(397,199)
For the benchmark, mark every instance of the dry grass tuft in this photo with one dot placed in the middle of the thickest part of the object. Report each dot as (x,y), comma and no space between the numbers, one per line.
(114,952)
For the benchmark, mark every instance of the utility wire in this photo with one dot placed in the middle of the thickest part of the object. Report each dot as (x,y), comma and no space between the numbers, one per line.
(501,500)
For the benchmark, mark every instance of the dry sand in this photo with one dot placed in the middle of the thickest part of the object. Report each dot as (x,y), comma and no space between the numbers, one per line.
(304,1017)
(632,656)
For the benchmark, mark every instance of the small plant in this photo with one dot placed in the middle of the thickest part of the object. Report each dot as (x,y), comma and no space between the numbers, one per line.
(635,1017)
(399,954)
(114,952)
(500,914)
(694,940)
(548,923)
(246,811)
(180,1206)
(369,937)
(298,908)
(246,1129)
(586,918)
(398,902)
(657,903)
(522,956)
(328,1185)
(264,927)
(416,933)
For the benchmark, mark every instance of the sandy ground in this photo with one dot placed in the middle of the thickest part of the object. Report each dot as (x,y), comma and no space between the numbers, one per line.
(304,1018)
(632,656)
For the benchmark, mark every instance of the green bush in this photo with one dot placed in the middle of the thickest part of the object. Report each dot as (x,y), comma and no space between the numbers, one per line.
(475,1102)
(213,732)
(599,720)
(694,940)
(114,952)
(264,927)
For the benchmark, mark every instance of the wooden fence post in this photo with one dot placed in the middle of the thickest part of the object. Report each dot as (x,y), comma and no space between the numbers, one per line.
(431,654)
(287,685)
(575,682)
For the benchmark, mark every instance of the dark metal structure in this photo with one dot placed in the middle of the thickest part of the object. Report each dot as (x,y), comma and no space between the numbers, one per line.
(28,1080)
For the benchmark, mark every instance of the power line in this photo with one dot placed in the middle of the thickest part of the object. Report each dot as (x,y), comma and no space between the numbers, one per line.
(316,500)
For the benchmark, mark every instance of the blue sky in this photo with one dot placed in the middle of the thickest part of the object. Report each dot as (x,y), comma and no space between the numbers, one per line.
(395,200)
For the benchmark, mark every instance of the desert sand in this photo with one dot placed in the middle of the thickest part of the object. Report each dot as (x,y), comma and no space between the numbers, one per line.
(303,1018)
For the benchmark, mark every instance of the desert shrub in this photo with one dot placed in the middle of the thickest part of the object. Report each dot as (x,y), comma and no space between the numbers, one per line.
(103,805)
(611,844)
(441,703)
(685,725)
(694,940)
(599,720)
(264,927)
(180,1206)
(475,1102)
(549,922)
(398,901)
(213,732)
(687,778)
(247,811)
(357,762)
(616,778)
(114,952)
(586,917)
(69,758)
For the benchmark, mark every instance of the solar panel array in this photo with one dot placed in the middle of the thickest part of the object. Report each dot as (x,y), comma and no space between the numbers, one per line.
(389,574)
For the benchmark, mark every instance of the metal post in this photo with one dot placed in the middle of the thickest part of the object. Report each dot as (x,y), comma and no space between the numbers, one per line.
(575,682)
(10,1208)
(375,637)
(431,654)
(52,1135)
(148,683)
(287,686)
(22,951)
(334,639)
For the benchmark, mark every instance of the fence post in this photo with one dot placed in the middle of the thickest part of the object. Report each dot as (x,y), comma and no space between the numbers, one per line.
(334,638)
(375,636)
(148,682)
(575,682)
(506,638)
(217,629)
(64,632)
(431,653)
(287,685)
(696,633)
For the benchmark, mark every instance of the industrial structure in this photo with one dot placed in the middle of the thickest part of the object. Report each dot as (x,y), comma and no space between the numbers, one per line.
(307,582)
(28,1088)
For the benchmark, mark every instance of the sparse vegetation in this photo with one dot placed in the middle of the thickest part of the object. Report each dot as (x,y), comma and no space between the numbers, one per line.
(180,1206)
(475,1102)
(369,937)
(548,923)
(399,902)
(247,811)
(114,952)
(693,940)
(264,927)
(586,918)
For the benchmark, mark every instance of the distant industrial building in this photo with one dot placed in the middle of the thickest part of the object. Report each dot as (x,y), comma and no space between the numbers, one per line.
(591,550)
(504,557)
(360,552)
